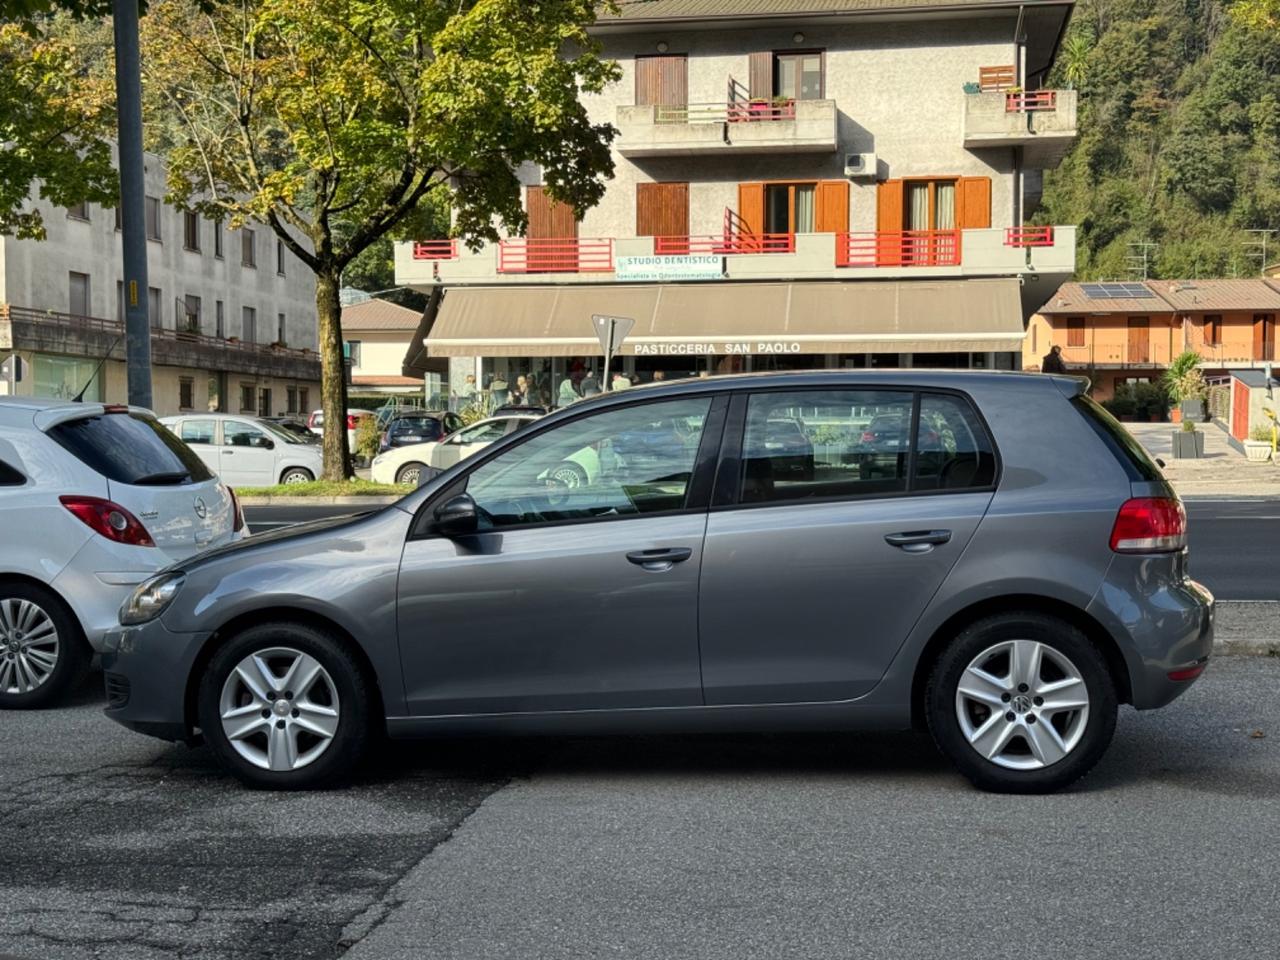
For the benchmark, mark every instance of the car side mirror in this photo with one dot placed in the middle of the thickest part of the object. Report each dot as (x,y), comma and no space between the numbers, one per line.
(458,516)
(267,443)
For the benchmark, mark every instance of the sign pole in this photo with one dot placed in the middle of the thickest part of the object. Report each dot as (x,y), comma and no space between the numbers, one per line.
(608,355)
(610,331)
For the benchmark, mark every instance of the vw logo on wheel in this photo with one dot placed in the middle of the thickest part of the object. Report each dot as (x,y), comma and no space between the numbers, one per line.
(201,510)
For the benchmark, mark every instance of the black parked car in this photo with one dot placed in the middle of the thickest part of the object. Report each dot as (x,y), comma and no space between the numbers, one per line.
(424,426)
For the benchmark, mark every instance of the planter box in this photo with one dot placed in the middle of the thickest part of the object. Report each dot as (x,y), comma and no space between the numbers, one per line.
(1257,451)
(1188,444)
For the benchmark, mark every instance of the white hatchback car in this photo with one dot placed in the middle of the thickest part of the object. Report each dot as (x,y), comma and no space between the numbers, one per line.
(247,451)
(410,463)
(93,500)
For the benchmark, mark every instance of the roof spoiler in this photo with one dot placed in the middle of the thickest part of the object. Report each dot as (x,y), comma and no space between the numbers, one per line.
(1071,386)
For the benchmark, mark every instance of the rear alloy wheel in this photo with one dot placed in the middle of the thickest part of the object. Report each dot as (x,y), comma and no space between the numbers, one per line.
(296,475)
(285,706)
(409,474)
(43,654)
(1022,703)
(569,474)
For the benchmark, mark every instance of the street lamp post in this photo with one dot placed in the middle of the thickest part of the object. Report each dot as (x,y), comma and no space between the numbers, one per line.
(132,201)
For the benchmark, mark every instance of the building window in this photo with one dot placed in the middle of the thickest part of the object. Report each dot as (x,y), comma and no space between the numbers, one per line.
(264,402)
(79,212)
(191,312)
(248,248)
(191,230)
(931,205)
(186,393)
(219,320)
(353,352)
(117,217)
(304,399)
(279,256)
(217,393)
(798,76)
(65,377)
(1213,330)
(280,336)
(153,218)
(247,394)
(1075,331)
(789,207)
(218,250)
(291,396)
(78,294)
(249,325)
(154,302)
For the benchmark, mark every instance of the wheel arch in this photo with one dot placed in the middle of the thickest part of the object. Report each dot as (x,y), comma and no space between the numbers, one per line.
(1117,668)
(279,614)
(30,581)
(285,471)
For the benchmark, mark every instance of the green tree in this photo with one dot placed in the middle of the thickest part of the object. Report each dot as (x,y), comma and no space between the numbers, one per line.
(1258,14)
(54,124)
(335,120)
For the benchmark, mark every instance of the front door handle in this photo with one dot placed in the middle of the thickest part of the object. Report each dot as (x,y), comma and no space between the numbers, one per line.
(660,559)
(918,541)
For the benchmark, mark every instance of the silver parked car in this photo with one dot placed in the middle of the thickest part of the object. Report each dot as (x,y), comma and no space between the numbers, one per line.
(1006,574)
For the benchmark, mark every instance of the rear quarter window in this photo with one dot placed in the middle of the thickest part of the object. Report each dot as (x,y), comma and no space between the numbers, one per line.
(129,448)
(1128,452)
(10,476)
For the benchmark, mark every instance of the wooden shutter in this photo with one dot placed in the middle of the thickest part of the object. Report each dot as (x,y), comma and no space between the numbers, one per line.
(662,80)
(890,206)
(760,76)
(1075,331)
(973,203)
(548,219)
(751,206)
(832,215)
(1212,329)
(1139,340)
(1264,336)
(662,209)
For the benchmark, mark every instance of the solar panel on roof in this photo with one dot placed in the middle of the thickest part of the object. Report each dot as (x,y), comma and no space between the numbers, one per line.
(1116,291)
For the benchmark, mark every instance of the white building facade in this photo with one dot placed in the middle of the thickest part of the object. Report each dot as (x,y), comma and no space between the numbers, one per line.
(232,312)
(799,183)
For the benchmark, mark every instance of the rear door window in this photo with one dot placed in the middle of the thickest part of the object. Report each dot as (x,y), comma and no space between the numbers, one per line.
(130,448)
(197,431)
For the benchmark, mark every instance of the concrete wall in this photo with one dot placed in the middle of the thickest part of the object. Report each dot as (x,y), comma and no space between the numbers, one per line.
(35,274)
(899,93)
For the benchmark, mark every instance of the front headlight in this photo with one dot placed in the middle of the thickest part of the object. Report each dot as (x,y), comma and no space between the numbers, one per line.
(377,460)
(151,597)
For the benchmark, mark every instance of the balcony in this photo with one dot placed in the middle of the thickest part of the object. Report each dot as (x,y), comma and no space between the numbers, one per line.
(22,328)
(1042,122)
(1032,253)
(736,126)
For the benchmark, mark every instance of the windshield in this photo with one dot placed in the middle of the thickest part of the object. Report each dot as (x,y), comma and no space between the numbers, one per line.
(279,432)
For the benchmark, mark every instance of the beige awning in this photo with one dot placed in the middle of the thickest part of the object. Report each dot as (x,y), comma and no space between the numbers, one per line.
(923,316)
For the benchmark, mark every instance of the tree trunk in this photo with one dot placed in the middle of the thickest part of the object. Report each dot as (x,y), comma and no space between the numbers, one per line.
(333,391)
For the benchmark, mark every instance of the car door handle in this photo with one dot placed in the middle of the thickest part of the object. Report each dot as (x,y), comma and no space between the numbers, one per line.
(659,559)
(918,541)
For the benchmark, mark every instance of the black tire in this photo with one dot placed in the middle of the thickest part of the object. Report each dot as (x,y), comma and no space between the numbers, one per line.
(73,655)
(410,473)
(348,746)
(1060,636)
(296,475)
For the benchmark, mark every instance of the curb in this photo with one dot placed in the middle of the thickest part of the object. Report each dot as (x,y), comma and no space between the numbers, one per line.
(372,501)
(1247,628)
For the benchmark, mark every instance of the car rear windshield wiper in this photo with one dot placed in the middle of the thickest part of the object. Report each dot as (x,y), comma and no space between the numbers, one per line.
(160,479)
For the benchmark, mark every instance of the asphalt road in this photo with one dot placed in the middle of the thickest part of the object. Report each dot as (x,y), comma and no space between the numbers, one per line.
(1235,544)
(116,847)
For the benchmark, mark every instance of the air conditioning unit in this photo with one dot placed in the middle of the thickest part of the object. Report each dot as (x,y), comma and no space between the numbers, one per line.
(860,165)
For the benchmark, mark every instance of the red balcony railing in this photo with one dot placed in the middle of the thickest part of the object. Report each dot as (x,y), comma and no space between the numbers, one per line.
(1028,236)
(435,250)
(556,255)
(724,244)
(908,248)
(732,111)
(1030,102)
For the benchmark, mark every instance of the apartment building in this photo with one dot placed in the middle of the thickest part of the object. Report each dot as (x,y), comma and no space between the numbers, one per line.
(232,311)
(377,335)
(1128,332)
(799,183)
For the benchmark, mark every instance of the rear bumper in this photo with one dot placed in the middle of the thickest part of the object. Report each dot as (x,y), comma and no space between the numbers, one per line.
(1162,631)
(146,670)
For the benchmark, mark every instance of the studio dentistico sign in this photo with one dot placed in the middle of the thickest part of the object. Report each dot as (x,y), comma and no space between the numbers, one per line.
(669,267)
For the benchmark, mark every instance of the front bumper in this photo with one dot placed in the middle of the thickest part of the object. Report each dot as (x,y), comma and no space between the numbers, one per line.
(146,669)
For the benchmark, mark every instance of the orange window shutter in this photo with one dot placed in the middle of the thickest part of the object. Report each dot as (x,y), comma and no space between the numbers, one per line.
(832,215)
(760,76)
(889,206)
(974,207)
(751,206)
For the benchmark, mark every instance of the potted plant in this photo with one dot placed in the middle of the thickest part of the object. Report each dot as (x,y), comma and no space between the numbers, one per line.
(1188,443)
(1258,447)
(1121,405)
(1150,402)
(1185,384)
(972,86)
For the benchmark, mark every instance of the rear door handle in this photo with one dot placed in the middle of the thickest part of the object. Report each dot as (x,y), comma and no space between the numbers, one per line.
(918,541)
(660,559)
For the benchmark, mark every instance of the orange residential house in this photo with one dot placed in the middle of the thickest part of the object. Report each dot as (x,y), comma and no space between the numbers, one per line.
(1129,332)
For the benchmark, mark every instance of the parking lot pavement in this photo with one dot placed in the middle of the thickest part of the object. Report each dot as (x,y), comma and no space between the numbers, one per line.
(115,846)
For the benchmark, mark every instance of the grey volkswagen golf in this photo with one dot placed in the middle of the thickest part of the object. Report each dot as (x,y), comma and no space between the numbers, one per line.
(990,556)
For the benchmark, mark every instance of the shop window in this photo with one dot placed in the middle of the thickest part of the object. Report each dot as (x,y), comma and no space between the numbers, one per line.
(217,393)
(65,377)
(1075,331)
(186,393)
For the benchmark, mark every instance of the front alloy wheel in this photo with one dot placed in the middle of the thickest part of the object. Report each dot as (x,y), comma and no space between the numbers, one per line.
(28,646)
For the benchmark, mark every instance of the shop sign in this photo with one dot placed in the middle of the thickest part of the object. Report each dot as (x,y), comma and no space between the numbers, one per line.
(669,267)
(754,347)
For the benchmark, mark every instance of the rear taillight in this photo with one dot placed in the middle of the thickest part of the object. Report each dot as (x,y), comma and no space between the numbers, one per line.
(238,523)
(1150,525)
(110,520)
(868,436)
